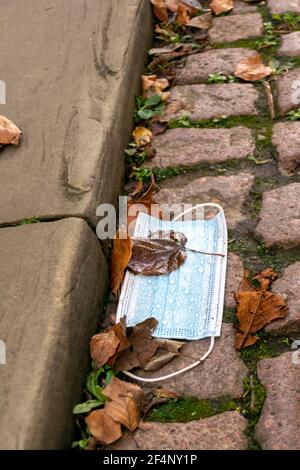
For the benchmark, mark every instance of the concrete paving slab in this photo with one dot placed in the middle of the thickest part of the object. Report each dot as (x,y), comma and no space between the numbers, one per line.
(52,282)
(71,70)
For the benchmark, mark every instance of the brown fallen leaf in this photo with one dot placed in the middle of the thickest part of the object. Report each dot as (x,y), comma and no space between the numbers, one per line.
(152,85)
(103,346)
(164,393)
(105,429)
(143,346)
(158,127)
(121,254)
(252,69)
(201,22)
(167,350)
(183,14)
(142,136)
(165,49)
(160,10)
(257,307)
(9,132)
(170,345)
(138,188)
(127,401)
(158,361)
(106,345)
(144,203)
(156,256)
(221,6)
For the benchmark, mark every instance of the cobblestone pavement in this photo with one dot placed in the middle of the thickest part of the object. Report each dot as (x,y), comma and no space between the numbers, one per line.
(261,197)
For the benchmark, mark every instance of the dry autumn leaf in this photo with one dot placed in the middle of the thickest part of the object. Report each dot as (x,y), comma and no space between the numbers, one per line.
(257,307)
(103,346)
(105,429)
(143,346)
(160,10)
(221,6)
(152,85)
(152,256)
(145,204)
(142,136)
(164,393)
(9,132)
(126,402)
(183,14)
(121,254)
(252,69)
(167,350)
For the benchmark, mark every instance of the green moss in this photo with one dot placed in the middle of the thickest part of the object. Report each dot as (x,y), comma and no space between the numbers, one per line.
(189,409)
(32,220)
(204,169)
(164,173)
(254,122)
(252,403)
(261,350)
(256,256)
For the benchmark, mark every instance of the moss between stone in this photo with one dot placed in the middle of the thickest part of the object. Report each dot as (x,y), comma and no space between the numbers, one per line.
(256,256)
(254,393)
(188,409)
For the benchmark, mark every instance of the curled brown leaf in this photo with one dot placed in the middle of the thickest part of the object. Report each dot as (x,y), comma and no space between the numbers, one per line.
(9,132)
(221,6)
(252,69)
(257,306)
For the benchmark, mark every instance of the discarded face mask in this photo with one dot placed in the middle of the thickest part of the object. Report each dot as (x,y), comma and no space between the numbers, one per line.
(188,302)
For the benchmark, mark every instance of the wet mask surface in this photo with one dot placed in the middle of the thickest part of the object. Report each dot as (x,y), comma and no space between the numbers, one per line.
(188,303)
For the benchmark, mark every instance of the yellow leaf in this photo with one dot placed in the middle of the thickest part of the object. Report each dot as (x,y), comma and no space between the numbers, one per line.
(142,136)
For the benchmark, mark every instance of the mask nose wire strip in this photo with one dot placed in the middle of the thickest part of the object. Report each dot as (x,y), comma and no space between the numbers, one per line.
(212,339)
(181,371)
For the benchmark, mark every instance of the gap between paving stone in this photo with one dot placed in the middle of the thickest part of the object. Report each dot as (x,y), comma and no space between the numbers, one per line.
(202,385)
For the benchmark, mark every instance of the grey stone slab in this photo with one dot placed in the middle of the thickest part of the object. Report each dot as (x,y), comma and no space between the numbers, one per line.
(234,276)
(288,286)
(279,223)
(199,102)
(194,146)
(279,425)
(288,89)
(199,67)
(286,139)
(290,45)
(220,375)
(52,282)
(235,27)
(229,191)
(225,431)
(71,73)
(284,6)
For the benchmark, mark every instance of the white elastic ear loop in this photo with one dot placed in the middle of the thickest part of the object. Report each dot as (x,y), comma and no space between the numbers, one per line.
(181,371)
(206,204)
(212,339)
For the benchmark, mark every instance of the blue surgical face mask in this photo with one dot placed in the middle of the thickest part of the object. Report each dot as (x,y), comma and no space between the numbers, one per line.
(188,302)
